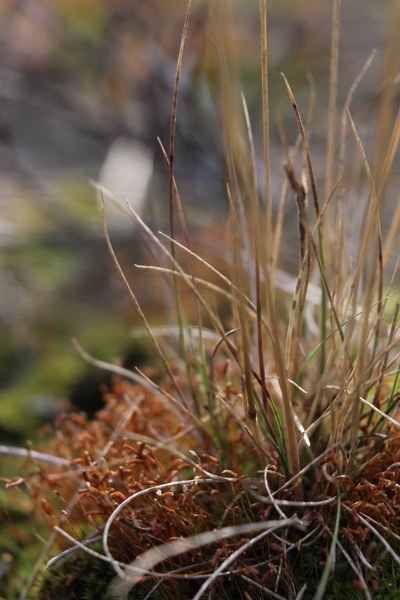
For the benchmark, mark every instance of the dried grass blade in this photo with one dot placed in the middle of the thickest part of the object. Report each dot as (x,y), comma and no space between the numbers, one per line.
(374,220)
(238,307)
(265,111)
(186,237)
(173,121)
(355,84)
(376,533)
(321,254)
(257,219)
(139,309)
(179,269)
(333,84)
(305,146)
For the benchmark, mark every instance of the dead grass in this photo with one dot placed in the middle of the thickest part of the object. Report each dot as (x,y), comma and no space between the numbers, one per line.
(275,424)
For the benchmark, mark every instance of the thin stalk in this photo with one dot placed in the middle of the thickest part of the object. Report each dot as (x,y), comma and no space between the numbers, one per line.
(266,136)
(173,192)
(277,441)
(239,308)
(359,372)
(202,364)
(290,427)
(139,309)
(172,136)
(374,220)
(330,562)
(257,249)
(321,254)
(333,84)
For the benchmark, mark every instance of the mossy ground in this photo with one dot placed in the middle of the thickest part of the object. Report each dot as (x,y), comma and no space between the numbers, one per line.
(84,578)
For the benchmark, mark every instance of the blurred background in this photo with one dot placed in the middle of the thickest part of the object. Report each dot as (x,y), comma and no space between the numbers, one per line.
(85,89)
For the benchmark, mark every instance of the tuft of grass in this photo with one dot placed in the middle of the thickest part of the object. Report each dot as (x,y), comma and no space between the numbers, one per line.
(268,446)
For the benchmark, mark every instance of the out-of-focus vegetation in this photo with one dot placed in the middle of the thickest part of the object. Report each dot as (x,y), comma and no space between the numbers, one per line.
(76,76)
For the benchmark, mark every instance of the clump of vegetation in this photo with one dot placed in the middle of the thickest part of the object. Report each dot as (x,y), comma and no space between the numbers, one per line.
(263,456)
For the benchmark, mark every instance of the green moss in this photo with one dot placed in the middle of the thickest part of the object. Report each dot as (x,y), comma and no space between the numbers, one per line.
(308,569)
(58,367)
(82,578)
(87,578)
(21,541)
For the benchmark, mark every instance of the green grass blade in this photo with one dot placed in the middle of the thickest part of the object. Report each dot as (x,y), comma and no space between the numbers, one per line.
(330,562)
(314,352)
(278,441)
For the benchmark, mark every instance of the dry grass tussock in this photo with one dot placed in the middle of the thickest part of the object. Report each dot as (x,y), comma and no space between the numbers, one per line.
(269,441)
